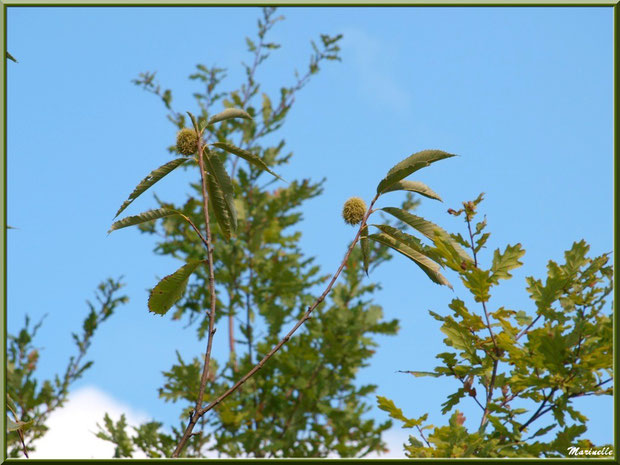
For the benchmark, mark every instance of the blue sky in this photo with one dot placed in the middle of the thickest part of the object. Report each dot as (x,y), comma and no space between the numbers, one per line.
(523,95)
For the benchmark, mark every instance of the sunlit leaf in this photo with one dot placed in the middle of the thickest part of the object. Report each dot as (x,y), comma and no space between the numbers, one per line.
(170,289)
(388,405)
(504,262)
(220,206)
(426,227)
(479,283)
(414,186)
(248,156)
(142,218)
(151,179)
(453,399)
(365,246)
(227,114)
(429,267)
(419,374)
(410,165)
(216,169)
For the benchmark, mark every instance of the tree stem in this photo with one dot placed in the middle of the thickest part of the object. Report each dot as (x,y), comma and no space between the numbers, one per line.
(208,245)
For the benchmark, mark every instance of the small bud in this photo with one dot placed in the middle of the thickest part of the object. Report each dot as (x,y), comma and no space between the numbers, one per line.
(187,141)
(354,210)
(468,383)
(451,211)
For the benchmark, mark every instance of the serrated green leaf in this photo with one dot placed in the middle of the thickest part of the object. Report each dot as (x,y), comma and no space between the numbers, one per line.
(469,320)
(142,218)
(523,318)
(458,339)
(248,156)
(479,283)
(419,374)
(151,179)
(387,405)
(170,289)
(414,186)
(220,208)
(216,169)
(365,246)
(453,399)
(544,430)
(427,228)
(480,241)
(227,114)
(429,267)
(396,234)
(503,263)
(410,165)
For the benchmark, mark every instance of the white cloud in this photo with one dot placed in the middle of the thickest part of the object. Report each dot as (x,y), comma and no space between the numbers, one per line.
(374,61)
(394,440)
(72,428)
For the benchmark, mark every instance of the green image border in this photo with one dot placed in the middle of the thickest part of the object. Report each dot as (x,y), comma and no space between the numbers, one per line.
(5,4)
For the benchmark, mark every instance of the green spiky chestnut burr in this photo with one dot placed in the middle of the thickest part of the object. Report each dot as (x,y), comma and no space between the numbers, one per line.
(353,211)
(187,141)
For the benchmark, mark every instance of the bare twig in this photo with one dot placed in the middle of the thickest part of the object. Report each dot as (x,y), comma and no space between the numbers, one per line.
(538,412)
(527,328)
(423,437)
(205,369)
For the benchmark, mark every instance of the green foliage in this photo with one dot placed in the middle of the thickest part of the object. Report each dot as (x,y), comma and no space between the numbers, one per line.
(143,217)
(30,401)
(304,403)
(403,244)
(505,357)
(220,189)
(410,165)
(170,289)
(228,114)
(246,155)
(413,186)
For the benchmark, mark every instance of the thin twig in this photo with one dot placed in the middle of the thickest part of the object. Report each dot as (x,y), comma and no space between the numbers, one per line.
(205,369)
(485,415)
(527,328)
(423,437)
(204,241)
(489,388)
(538,412)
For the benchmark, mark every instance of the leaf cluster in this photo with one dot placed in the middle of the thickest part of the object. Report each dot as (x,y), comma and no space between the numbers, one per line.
(522,368)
